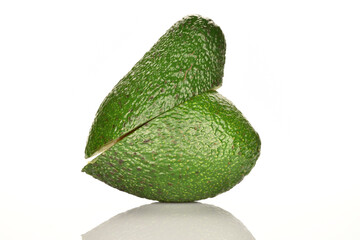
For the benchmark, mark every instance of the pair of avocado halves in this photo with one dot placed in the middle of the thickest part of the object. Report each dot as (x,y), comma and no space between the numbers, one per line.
(163,132)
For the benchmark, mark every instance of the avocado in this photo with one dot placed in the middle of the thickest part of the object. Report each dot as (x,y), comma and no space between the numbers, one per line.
(194,151)
(186,61)
(163,132)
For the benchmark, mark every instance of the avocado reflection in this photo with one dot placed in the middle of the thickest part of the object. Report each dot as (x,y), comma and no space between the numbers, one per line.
(183,221)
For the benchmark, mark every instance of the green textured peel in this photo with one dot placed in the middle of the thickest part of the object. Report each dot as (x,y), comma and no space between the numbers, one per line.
(196,150)
(163,132)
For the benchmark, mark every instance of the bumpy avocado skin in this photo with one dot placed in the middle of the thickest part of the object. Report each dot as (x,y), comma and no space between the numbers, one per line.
(186,61)
(194,151)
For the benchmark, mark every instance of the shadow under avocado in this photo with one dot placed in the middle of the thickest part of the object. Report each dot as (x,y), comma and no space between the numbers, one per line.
(171,221)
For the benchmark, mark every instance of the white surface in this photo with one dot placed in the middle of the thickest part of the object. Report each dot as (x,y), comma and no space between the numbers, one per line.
(292,68)
(177,221)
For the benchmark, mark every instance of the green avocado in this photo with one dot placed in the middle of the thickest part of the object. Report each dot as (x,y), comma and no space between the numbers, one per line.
(186,61)
(194,151)
(163,132)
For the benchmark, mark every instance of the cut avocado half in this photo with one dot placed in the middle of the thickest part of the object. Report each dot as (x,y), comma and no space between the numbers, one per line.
(186,61)
(194,151)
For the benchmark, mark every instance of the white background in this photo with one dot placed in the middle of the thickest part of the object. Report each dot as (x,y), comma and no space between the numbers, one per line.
(292,68)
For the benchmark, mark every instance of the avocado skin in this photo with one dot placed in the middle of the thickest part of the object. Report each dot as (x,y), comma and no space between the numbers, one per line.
(186,61)
(194,151)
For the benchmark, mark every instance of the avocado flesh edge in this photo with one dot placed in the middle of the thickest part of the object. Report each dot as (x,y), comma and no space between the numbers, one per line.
(115,141)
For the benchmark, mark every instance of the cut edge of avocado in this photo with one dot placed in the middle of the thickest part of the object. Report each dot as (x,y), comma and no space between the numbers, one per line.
(108,145)
(114,141)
